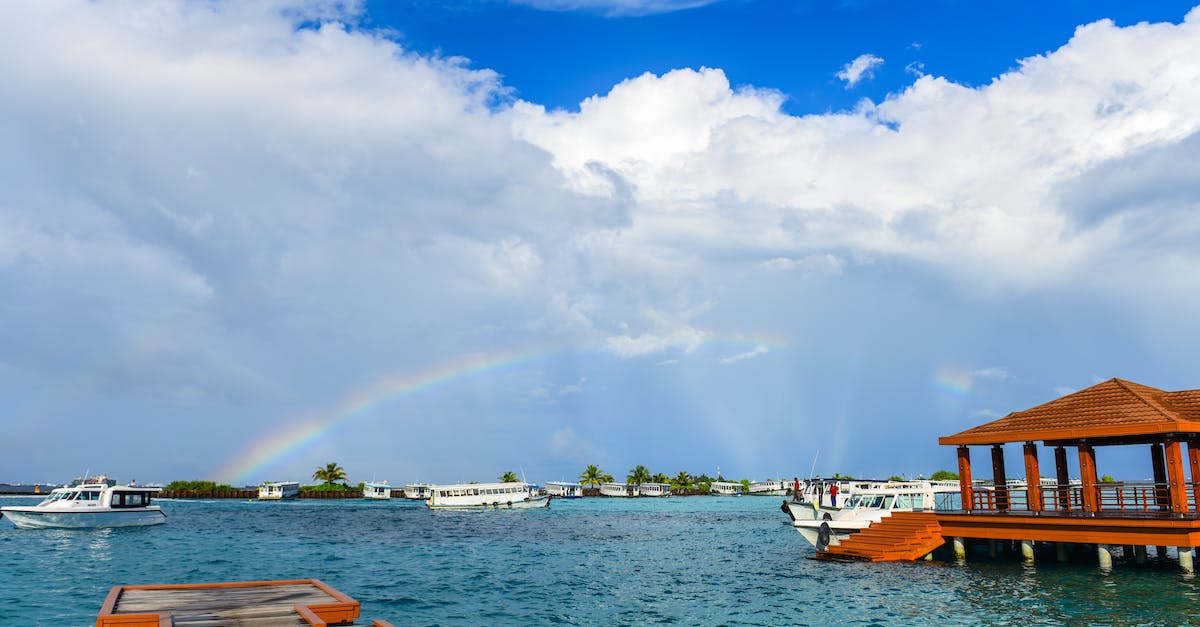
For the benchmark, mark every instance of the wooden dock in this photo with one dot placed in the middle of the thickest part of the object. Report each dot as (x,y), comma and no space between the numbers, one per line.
(299,602)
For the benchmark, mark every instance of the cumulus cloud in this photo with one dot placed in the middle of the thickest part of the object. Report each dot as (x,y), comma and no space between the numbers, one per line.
(862,67)
(817,265)
(757,351)
(686,339)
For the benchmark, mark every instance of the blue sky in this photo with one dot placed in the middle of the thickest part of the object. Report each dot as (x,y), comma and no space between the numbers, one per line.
(438,241)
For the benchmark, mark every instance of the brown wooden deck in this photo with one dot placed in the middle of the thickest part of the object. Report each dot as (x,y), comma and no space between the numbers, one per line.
(301,602)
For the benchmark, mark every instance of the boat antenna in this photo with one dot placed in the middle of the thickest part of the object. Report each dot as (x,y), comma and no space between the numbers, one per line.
(814,464)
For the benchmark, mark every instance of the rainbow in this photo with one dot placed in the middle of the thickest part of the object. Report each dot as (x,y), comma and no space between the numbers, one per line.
(953,381)
(304,430)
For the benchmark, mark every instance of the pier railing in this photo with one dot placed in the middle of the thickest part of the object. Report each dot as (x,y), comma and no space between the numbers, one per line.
(1125,497)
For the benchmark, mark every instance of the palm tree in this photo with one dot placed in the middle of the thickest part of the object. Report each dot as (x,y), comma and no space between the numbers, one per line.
(606,478)
(509,477)
(682,481)
(330,473)
(639,474)
(591,476)
(661,478)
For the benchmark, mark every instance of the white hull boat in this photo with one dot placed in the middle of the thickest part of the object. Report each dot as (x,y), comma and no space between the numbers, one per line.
(768,488)
(619,489)
(830,527)
(380,491)
(485,495)
(89,505)
(278,491)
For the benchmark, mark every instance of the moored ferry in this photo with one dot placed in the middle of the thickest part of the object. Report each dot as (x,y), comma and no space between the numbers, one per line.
(92,503)
(377,490)
(278,490)
(618,489)
(514,495)
(564,490)
(768,488)
(873,504)
(654,489)
(725,488)
(416,491)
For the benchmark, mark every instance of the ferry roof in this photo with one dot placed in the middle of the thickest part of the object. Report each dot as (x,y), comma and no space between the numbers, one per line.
(1112,412)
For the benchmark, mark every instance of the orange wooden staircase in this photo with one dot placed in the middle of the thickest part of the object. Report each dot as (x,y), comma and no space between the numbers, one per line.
(899,537)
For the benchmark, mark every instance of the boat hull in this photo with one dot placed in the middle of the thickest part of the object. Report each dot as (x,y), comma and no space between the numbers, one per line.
(533,503)
(30,518)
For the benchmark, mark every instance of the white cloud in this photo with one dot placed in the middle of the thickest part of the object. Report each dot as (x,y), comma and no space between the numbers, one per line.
(686,338)
(988,414)
(863,66)
(812,266)
(757,351)
(573,388)
(992,374)
(1063,391)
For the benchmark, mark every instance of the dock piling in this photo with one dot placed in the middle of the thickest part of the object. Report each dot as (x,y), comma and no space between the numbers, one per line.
(1139,554)
(1104,555)
(1027,550)
(1060,551)
(1185,560)
(960,549)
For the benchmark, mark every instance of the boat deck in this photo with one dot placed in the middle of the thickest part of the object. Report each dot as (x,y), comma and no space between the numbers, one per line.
(301,603)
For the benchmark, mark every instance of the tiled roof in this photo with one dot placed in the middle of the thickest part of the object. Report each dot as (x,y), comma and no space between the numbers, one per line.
(1112,409)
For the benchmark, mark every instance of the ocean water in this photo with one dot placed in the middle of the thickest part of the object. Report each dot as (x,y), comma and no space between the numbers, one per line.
(684,561)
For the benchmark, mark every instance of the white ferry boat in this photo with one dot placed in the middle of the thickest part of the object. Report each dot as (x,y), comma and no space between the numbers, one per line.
(654,489)
(619,489)
(416,491)
(278,490)
(818,496)
(872,505)
(93,503)
(516,495)
(377,491)
(725,488)
(768,488)
(564,490)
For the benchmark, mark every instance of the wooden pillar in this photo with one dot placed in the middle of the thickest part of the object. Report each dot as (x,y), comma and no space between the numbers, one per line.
(1193,449)
(1087,472)
(1160,475)
(964,478)
(1176,484)
(1033,478)
(1064,478)
(998,477)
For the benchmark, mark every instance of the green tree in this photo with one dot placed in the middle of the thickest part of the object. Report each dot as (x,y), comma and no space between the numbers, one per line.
(682,481)
(745,485)
(592,475)
(943,475)
(330,473)
(1107,479)
(661,478)
(509,477)
(895,478)
(606,478)
(639,474)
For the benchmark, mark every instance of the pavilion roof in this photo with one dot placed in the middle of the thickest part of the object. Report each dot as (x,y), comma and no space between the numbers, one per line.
(1114,410)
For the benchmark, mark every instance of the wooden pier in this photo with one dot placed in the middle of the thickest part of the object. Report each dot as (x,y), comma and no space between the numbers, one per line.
(1164,512)
(299,602)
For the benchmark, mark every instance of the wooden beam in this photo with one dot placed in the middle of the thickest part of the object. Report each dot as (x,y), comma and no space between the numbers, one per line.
(1064,478)
(964,478)
(1087,472)
(1176,484)
(1160,475)
(1033,478)
(999,480)
(1194,470)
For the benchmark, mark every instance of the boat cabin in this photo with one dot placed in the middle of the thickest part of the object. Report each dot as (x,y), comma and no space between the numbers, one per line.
(619,489)
(654,489)
(725,488)
(564,490)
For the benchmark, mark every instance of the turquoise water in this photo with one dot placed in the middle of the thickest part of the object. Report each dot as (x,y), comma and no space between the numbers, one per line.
(685,561)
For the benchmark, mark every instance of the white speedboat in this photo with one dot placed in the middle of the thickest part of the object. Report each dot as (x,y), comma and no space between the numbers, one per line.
(818,497)
(88,505)
(416,491)
(873,504)
(654,489)
(768,488)
(564,490)
(515,495)
(725,488)
(377,490)
(278,490)
(619,489)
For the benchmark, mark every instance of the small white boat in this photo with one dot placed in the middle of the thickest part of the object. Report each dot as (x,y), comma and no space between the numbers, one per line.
(619,489)
(654,489)
(725,488)
(515,495)
(564,490)
(873,504)
(278,490)
(377,491)
(768,488)
(416,491)
(88,505)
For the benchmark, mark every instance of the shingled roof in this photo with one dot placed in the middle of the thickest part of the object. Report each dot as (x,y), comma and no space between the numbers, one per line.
(1115,410)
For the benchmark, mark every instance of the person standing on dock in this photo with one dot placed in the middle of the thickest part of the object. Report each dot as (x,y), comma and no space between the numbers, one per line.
(833,490)
(796,494)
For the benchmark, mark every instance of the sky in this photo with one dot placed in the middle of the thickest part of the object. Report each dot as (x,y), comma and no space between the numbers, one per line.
(437,241)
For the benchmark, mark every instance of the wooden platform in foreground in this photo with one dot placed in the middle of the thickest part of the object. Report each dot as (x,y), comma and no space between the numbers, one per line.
(298,602)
